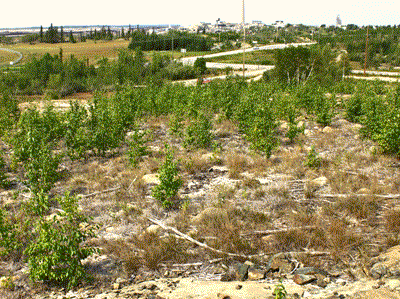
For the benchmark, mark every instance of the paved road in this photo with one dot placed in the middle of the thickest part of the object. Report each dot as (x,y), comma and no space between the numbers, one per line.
(372,78)
(377,73)
(191,60)
(252,70)
(15,52)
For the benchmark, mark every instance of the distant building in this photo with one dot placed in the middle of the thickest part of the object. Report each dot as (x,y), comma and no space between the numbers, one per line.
(279,24)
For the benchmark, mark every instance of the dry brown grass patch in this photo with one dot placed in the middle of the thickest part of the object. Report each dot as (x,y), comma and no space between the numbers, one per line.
(195,163)
(362,207)
(225,128)
(340,239)
(392,227)
(237,163)
(125,252)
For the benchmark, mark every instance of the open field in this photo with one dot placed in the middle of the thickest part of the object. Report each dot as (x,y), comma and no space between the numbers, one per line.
(6,57)
(90,49)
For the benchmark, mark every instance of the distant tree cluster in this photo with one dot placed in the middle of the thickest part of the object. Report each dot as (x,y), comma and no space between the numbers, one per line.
(172,40)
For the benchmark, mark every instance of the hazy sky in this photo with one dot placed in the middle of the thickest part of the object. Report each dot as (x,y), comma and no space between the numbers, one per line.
(24,13)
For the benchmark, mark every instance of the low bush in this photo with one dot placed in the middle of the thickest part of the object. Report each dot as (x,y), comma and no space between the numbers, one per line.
(170,183)
(56,252)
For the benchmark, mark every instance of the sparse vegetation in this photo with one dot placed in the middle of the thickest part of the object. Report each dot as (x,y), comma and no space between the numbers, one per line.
(238,176)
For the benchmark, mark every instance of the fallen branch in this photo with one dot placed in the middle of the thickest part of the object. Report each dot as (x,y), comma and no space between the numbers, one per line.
(190,239)
(275,231)
(101,192)
(387,196)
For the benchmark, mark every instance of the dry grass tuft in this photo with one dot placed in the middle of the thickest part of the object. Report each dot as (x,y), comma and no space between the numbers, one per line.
(195,163)
(124,252)
(392,226)
(340,238)
(237,164)
(360,207)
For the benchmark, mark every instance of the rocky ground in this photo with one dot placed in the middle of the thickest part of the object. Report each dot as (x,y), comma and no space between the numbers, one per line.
(245,223)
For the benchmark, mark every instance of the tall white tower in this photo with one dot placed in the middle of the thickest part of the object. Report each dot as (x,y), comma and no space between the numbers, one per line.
(338,21)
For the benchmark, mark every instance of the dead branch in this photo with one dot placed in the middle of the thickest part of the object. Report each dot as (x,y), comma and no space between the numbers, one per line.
(275,231)
(387,196)
(101,192)
(190,239)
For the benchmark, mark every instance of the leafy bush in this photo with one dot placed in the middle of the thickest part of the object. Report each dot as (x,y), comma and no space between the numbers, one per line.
(261,132)
(325,110)
(198,133)
(8,239)
(3,181)
(105,128)
(56,253)
(313,161)
(41,169)
(170,183)
(77,137)
(137,147)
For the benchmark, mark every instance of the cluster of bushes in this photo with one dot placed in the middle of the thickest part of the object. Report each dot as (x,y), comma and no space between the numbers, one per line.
(58,76)
(173,40)
(377,108)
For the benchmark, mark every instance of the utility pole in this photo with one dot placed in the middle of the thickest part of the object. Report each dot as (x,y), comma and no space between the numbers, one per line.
(244,39)
(366,52)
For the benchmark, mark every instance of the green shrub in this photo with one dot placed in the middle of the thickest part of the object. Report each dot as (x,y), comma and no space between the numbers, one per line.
(261,132)
(313,161)
(176,125)
(294,131)
(77,136)
(8,239)
(137,147)
(3,179)
(325,110)
(280,291)
(198,133)
(55,254)
(41,169)
(170,183)
(104,127)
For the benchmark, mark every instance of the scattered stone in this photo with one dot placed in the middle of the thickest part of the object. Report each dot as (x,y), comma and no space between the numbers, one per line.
(307,133)
(327,130)
(302,279)
(280,263)
(364,191)
(238,287)
(154,229)
(284,125)
(249,263)
(151,179)
(300,124)
(270,240)
(311,271)
(255,274)
(321,181)
(378,270)
(387,264)
(218,169)
(116,286)
(241,271)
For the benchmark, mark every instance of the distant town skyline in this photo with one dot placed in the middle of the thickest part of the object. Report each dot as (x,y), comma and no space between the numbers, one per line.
(90,12)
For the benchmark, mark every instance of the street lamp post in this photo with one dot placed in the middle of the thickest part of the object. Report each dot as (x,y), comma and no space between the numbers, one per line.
(244,38)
